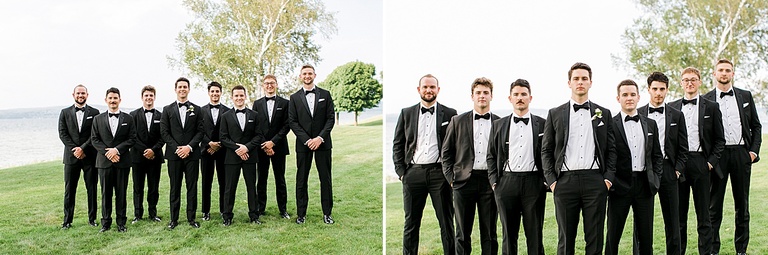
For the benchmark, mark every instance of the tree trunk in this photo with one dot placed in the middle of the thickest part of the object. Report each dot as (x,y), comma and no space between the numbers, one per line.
(337,118)
(356,118)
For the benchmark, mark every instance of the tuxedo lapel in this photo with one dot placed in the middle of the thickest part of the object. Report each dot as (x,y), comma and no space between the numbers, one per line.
(414,125)
(648,141)
(620,125)
(534,133)
(702,113)
(469,122)
(565,123)
(504,142)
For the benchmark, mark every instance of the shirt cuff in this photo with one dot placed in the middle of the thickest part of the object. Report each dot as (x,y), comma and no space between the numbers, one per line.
(609,182)
(753,153)
(190,148)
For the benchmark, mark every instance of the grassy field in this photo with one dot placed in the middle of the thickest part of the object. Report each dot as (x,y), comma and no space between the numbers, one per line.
(430,235)
(31,202)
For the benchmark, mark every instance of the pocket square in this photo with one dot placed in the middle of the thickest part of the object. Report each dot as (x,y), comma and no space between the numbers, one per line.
(600,124)
(745,105)
(124,124)
(249,121)
(277,109)
(672,124)
(542,134)
(192,114)
(444,123)
(320,100)
(650,134)
(706,116)
(156,121)
(89,117)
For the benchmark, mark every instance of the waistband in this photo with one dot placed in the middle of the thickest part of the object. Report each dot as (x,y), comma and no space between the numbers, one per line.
(430,165)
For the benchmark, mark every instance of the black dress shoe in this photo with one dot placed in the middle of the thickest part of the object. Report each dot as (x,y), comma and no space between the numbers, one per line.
(121,228)
(301,220)
(227,222)
(93,223)
(194,224)
(327,219)
(256,221)
(66,226)
(741,253)
(285,215)
(136,219)
(103,229)
(155,218)
(172,224)
(206,216)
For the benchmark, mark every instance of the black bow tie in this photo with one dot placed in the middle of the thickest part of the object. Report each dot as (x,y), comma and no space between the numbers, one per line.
(114,114)
(584,106)
(729,93)
(184,104)
(215,106)
(240,111)
(79,109)
(430,110)
(486,116)
(309,91)
(273,98)
(524,120)
(146,111)
(659,110)
(692,101)
(635,118)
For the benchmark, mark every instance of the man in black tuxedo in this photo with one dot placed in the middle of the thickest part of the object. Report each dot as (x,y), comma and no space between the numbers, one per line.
(75,132)
(212,154)
(416,151)
(464,165)
(181,127)
(241,135)
(146,155)
(515,172)
(703,121)
(113,134)
(742,131)
(638,172)
(311,117)
(274,110)
(673,138)
(579,160)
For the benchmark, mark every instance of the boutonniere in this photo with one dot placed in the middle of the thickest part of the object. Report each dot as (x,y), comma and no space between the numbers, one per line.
(191,109)
(598,114)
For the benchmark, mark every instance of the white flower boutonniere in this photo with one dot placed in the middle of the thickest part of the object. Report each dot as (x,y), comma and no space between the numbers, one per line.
(598,114)
(191,109)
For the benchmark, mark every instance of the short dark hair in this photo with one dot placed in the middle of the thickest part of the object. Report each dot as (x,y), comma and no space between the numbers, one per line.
(482,81)
(180,79)
(627,82)
(113,90)
(429,76)
(214,84)
(307,66)
(520,83)
(722,60)
(80,85)
(149,88)
(238,87)
(579,65)
(660,77)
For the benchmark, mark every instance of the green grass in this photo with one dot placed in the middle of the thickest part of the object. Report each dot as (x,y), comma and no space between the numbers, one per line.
(429,242)
(31,202)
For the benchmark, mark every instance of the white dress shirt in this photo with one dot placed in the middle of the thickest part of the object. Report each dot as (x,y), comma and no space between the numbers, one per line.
(691,114)
(214,114)
(311,100)
(270,109)
(148,117)
(520,141)
(80,115)
(580,148)
(113,122)
(427,151)
(661,124)
(636,142)
(241,119)
(182,113)
(731,118)
(481,129)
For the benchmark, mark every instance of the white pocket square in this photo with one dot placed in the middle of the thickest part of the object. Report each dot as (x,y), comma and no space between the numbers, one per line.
(444,123)
(600,124)
(278,109)
(89,117)
(650,134)
(156,121)
(672,124)
(745,105)
(320,100)
(542,134)
(192,114)
(249,121)
(706,116)
(124,124)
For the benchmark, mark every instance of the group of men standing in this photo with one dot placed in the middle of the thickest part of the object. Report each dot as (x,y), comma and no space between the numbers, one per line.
(216,138)
(594,163)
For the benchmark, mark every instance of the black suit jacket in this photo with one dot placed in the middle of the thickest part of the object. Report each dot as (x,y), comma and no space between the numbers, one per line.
(675,138)
(498,146)
(555,141)
(711,136)
(750,124)
(307,126)
(175,135)
(654,160)
(147,139)
(72,138)
(406,134)
(250,136)
(211,129)
(458,151)
(123,140)
(278,128)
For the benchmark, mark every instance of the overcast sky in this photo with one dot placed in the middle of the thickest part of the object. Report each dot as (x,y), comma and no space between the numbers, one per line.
(47,47)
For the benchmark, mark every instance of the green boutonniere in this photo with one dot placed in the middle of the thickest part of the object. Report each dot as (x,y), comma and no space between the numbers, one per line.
(191,109)
(598,114)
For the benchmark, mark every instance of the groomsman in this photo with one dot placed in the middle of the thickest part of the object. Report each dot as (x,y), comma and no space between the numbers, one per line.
(515,172)
(579,159)
(638,172)
(274,110)
(466,169)
(311,117)
(242,137)
(181,127)
(703,122)
(742,131)
(75,132)
(212,154)
(146,155)
(113,134)
(416,151)
(673,138)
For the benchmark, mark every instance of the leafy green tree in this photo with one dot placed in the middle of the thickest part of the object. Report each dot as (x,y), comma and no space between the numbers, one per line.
(236,42)
(354,87)
(673,34)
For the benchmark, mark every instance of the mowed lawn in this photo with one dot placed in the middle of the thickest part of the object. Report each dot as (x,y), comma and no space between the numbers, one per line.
(32,210)
(429,242)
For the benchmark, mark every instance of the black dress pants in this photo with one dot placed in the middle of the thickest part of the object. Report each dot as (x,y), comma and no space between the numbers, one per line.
(186,170)
(278,168)
(697,182)
(91,179)
(521,194)
(149,171)
(114,180)
(476,193)
(578,190)
(323,165)
(420,181)
(639,197)
(736,163)
(233,177)
(210,165)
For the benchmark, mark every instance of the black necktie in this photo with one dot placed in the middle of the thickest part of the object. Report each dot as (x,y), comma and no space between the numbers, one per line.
(524,120)
(215,106)
(692,101)
(635,118)
(184,104)
(729,93)
(79,109)
(430,110)
(584,106)
(309,91)
(486,116)
(273,98)
(240,111)
(114,115)
(659,110)
(146,111)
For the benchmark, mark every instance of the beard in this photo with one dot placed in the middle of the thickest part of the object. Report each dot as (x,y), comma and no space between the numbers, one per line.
(726,81)
(428,100)
(78,101)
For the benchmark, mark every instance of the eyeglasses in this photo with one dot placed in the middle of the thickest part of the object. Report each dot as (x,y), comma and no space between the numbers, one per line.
(690,80)
(270,83)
